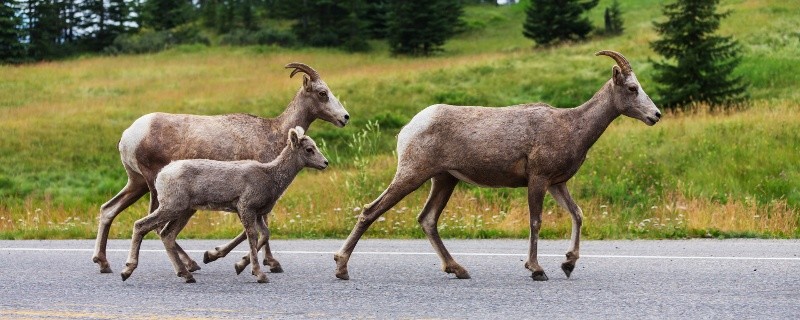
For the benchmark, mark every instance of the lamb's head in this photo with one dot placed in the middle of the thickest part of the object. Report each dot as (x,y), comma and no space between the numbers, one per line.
(306,149)
(626,92)
(316,96)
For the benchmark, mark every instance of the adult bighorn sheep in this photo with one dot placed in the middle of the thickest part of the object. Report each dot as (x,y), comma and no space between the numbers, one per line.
(156,139)
(531,145)
(249,188)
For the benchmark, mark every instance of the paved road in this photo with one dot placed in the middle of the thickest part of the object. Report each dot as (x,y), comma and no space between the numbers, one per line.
(402,279)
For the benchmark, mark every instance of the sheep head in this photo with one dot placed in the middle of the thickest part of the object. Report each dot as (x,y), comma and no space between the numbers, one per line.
(627,94)
(306,149)
(316,96)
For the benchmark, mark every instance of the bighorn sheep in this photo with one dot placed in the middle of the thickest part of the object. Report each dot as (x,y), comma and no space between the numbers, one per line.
(156,139)
(249,188)
(532,145)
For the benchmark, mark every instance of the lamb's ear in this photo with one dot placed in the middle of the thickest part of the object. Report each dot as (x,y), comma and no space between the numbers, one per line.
(616,74)
(294,137)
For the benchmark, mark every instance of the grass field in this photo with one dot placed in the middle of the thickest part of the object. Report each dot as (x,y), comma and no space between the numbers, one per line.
(700,174)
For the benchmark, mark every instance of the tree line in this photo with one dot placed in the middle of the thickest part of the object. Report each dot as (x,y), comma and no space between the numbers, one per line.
(35,30)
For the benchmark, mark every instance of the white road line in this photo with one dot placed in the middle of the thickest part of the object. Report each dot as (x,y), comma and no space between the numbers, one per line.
(602,256)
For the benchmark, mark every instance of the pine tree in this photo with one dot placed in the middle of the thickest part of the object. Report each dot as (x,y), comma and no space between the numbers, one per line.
(699,65)
(326,23)
(166,14)
(45,30)
(421,27)
(548,21)
(11,48)
(613,19)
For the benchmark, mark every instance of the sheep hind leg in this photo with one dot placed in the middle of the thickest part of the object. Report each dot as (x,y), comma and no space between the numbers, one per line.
(133,190)
(562,196)
(401,186)
(168,236)
(190,264)
(222,251)
(441,188)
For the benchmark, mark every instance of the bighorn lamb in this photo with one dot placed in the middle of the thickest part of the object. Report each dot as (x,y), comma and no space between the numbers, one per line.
(532,145)
(249,188)
(156,139)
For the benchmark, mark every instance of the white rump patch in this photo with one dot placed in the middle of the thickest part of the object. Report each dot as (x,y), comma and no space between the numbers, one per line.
(417,125)
(131,138)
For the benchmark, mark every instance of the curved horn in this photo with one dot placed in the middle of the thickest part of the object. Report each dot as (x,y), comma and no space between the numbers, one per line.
(302,67)
(621,61)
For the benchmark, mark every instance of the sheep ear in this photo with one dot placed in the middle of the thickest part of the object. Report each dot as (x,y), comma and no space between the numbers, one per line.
(294,138)
(306,84)
(616,74)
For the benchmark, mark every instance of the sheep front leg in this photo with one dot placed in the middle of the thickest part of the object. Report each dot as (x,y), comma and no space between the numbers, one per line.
(252,240)
(263,241)
(536,191)
(441,188)
(562,196)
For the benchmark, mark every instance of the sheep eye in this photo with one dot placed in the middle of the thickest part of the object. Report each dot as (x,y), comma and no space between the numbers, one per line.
(633,89)
(323,93)
(310,150)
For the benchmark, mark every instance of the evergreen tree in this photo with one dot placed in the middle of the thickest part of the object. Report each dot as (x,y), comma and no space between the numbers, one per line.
(613,19)
(45,29)
(166,14)
(326,23)
(421,27)
(11,48)
(699,65)
(549,21)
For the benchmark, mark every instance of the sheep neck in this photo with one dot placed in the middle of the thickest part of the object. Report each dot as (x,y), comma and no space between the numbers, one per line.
(284,168)
(594,116)
(297,113)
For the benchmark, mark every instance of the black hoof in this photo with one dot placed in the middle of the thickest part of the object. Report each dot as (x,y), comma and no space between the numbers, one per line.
(238,268)
(343,276)
(539,276)
(568,268)
(105,269)
(125,276)
(193,268)
(207,258)
(191,280)
(276,269)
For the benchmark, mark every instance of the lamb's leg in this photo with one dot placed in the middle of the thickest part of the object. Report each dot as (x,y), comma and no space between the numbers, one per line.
(252,238)
(133,190)
(140,228)
(536,192)
(441,188)
(191,265)
(168,236)
(403,184)
(263,241)
(561,194)
(222,251)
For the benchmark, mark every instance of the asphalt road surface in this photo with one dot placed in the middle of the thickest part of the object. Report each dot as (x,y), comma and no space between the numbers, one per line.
(402,279)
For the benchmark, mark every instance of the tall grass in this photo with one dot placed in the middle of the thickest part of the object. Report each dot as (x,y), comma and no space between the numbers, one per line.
(694,174)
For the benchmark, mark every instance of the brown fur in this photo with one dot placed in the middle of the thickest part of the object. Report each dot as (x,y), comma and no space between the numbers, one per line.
(154,140)
(249,188)
(533,145)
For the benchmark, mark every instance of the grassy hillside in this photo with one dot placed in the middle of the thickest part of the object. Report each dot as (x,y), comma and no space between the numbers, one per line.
(699,174)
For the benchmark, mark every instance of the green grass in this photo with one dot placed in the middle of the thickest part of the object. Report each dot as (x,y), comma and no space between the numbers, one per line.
(692,175)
